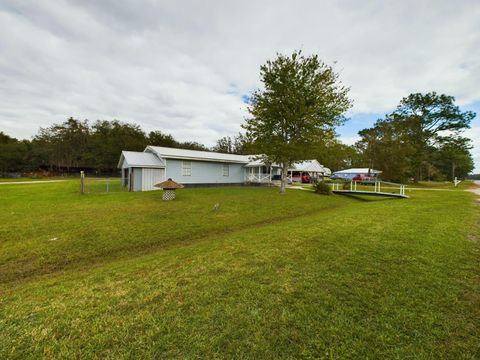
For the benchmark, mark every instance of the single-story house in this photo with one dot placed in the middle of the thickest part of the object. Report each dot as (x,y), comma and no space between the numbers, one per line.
(142,170)
(349,174)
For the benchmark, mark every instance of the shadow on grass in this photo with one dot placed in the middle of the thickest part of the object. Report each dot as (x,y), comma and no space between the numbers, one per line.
(366,198)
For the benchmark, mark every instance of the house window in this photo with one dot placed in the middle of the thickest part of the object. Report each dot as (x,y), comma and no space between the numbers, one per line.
(186,168)
(226,170)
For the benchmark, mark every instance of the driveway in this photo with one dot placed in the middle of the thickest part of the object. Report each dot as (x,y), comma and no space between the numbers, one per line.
(29,182)
(477,189)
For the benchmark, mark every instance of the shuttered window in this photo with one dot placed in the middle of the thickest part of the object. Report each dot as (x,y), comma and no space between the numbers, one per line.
(226,170)
(186,168)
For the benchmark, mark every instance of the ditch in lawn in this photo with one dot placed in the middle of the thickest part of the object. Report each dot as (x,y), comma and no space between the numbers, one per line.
(265,276)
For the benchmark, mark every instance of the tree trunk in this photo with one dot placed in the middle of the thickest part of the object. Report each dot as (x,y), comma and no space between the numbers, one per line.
(283,183)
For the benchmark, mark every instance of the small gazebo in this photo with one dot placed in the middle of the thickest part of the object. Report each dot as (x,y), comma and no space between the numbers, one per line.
(169,186)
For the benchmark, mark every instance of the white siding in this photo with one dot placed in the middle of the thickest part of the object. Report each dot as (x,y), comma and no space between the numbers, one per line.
(151,177)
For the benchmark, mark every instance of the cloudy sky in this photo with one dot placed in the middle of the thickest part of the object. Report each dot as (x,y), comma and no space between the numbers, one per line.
(183,67)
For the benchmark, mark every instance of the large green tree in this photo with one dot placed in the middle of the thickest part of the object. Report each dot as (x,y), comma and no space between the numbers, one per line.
(302,100)
(405,143)
(386,147)
(426,118)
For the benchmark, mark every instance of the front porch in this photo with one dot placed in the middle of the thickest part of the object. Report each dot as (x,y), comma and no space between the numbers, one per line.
(259,174)
(270,174)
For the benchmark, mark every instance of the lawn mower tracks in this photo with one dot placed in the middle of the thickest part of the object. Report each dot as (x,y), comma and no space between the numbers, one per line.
(127,252)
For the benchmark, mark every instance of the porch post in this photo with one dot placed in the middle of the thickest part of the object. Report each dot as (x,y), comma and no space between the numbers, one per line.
(259,171)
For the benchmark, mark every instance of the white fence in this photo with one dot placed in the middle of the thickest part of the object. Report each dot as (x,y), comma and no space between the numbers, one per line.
(377,187)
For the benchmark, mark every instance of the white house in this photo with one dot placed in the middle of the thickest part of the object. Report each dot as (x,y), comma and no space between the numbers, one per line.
(142,170)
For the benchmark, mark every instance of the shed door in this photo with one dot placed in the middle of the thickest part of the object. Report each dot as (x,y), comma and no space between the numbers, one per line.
(151,177)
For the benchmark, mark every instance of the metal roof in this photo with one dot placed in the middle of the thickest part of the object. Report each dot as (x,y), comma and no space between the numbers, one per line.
(358,171)
(140,159)
(309,166)
(174,153)
(257,162)
(306,165)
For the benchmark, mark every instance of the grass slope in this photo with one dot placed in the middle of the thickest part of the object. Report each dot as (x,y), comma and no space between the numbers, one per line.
(301,276)
(48,227)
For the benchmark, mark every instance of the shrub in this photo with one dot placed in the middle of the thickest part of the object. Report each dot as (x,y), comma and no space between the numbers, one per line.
(322,188)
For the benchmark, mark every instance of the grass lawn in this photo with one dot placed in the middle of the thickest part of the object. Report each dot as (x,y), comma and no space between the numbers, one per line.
(125,275)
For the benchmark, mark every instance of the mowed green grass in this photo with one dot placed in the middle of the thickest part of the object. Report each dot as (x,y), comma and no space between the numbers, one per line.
(48,227)
(266,276)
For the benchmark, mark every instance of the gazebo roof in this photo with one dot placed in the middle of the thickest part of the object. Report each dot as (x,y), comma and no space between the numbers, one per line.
(169,185)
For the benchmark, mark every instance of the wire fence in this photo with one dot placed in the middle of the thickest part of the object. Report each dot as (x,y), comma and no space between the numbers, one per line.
(97,185)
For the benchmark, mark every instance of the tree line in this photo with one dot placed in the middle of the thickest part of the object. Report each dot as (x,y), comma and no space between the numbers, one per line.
(293,118)
(75,144)
(420,140)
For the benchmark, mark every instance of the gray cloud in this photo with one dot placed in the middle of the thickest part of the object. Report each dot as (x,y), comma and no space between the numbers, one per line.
(183,67)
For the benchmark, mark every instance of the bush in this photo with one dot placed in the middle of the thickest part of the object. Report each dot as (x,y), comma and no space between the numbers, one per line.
(322,188)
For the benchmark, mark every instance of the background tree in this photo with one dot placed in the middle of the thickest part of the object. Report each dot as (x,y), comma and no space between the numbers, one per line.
(109,138)
(386,147)
(66,143)
(224,145)
(453,157)
(426,117)
(12,154)
(193,145)
(405,144)
(236,145)
(158,138)
(335,155)
(302,100)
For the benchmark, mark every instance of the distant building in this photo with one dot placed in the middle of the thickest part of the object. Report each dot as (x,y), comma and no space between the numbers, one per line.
(142,170)
(349,174)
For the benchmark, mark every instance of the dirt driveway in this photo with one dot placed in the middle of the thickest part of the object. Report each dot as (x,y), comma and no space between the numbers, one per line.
(477,189)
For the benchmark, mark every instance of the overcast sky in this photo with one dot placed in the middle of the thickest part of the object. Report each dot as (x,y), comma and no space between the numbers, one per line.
(183,66)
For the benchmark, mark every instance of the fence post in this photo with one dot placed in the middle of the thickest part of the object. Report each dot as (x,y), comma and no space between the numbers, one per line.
(108,184)
(82,182)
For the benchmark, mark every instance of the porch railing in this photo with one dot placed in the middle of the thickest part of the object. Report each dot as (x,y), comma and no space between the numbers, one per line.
(258,178)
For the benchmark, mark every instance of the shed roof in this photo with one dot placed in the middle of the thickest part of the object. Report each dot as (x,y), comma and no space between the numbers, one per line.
(140,159)
(174,153)
(358,171)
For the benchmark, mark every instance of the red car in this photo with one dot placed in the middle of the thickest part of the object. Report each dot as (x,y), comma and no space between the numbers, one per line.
(306,179)
(364,178)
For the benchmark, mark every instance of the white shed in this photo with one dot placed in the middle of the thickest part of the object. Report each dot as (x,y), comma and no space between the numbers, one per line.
(141,170)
